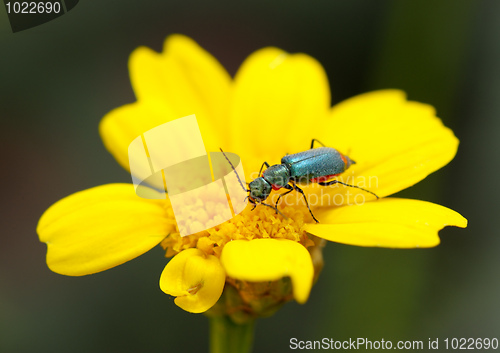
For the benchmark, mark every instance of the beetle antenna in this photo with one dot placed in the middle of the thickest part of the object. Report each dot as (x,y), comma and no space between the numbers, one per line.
(234,169)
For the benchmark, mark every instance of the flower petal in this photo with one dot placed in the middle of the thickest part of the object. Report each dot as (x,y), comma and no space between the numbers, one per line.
(187,79)
(181,81)
(99,228)
(395,142)
(122,125)
(262,260)
(390,223)
(276,96)
(196,279)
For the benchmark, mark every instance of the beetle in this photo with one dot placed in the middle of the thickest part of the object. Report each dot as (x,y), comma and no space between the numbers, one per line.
(317,165)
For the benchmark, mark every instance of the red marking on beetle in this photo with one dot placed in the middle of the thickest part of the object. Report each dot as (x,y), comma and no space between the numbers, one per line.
(343,159)
(276,187)
(323,178)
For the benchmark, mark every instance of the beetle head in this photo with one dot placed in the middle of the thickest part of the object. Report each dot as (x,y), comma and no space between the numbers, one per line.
(259,189)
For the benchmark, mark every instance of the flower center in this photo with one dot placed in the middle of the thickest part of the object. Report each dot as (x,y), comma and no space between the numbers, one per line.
(262,222)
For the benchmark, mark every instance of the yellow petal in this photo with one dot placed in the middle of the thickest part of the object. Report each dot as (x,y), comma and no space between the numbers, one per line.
(395,142)
(99,228)
(278,98)
(262,260)
(196,279)
(390,223)
(186,79)
(122,125)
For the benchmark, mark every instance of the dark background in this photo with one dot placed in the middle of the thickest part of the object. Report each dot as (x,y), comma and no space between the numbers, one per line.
(59,79)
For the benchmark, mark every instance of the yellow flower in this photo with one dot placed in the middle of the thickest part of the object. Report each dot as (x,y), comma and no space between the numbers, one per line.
(276,104)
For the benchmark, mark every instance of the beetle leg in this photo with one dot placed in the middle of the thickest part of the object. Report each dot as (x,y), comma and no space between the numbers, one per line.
(262,167)
(289,188)
(328,183)
(253,203)
(318,141)
(274,208)
(305,199)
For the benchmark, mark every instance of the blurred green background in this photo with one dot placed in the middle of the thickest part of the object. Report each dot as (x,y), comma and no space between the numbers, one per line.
(59,79)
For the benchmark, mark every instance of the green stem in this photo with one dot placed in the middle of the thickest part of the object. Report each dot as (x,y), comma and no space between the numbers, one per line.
(229,337)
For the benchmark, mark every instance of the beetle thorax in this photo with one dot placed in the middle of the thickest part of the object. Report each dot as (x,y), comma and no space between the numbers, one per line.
(277,175)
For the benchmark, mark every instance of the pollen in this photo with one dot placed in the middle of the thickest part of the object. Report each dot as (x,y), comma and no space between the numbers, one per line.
(262,222)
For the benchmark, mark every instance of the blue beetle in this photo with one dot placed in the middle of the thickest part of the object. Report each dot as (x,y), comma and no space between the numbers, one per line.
(316,165)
